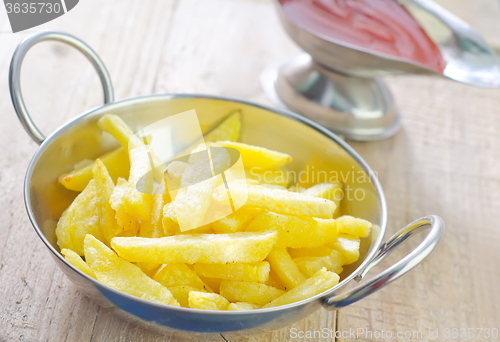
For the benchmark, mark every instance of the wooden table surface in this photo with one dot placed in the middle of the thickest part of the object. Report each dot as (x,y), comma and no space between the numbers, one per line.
(445,161)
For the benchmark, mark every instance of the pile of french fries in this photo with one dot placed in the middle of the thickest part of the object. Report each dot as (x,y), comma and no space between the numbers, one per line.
(285,244)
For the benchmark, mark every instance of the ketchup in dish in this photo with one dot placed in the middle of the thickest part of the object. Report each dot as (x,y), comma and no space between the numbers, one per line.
(383,26)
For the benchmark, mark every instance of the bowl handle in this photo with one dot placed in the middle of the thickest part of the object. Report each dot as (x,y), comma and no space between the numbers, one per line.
(15,75)
(436,225)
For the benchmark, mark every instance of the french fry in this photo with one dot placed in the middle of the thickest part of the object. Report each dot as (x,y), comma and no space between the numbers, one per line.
(325,190)
(79,219)
(206,229)
(171,227)
(148,268)
(173,176)
(207,301)
(179,275)
(255,156)
(295,231)
(138,198)
(285,268)
(153,227)
(296,188)
(169,221)
(240,272)
(338,261)
(277,176)
(310,265)
(253,293)
(181,294)
(353,226)
(331,191)
(74,259)
(348,246)
(241,306)
(237,221)
(273,186)
(200,248)
(116,163)
(128,233)
(229,129)
(195,196)
(274,281)
(120,274)
(277,200)
(115,126)
(336,258)
(212,283)
(318,283)
(310,252)
(126,222)
(104,190)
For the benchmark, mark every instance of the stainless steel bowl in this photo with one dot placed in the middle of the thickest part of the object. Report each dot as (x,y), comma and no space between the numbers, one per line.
(281,130)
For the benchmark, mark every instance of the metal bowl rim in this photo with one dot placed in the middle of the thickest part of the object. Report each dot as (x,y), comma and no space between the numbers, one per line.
(288,114)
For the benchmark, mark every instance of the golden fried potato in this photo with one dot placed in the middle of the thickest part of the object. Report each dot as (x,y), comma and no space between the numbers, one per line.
(207,301)
(116,163)
(338,261)
(78,262)
(296,231)
(353,226)
(296,188)
(138,199)
(336,258)
(229,129)
(81,218)
(310,265)
(258,272)
(310,252)
(274,281)
(253,293)
(255,156)
(348,246)
(285,268)
(206,229)
(179,275)
(173,176)
(122,275)
(169,221)
(181,294)
(148,268)
(278,201)
(331,191)
(240,306)
(191,204)
(171,227)
(318,283)
(277,176)
(115,126)
(124,220)
(237,221)
(212,283)
(325,190)
(153,227)
(104,190)
(195,196)
(202,248)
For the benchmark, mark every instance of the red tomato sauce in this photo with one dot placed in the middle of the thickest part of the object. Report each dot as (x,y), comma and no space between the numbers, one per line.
(383,26)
